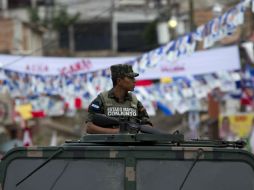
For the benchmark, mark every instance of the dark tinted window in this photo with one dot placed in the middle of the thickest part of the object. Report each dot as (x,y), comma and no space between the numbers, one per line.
(66,175)
(208,175)
(133,37)
(64,38)
(26,3)
(93,36)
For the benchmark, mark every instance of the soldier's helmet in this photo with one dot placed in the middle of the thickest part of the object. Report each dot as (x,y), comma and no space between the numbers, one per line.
(122,70)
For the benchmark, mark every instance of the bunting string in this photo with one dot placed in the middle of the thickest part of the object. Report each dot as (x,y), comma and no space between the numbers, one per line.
(77,90)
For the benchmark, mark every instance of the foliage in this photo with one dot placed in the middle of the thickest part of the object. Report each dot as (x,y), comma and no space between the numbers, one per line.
(63,19)
(33,14)
(150,34)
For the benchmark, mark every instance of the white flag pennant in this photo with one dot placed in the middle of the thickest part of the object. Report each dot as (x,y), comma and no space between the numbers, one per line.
(91,89)
(187,45)
(142,63)
(168,47)
(154,57)
(208,42)
(2,75)
(181,46)
(191,44)
(240,13)
(135,66)
(172,51)
(199,33)
(207,37)
(235,16)
(215,28)
(246,3)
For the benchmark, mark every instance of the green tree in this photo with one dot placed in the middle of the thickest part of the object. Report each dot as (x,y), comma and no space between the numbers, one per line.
(33,14)
(150,34)
(62,19)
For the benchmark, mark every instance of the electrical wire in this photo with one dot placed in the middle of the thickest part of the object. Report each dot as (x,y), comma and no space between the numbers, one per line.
(73,3)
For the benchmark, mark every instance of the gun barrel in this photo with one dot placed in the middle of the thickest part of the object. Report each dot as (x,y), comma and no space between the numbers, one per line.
(105,121)
(150,130)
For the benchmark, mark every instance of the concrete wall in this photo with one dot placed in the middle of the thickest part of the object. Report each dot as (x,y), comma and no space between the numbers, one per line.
(6,35)
(19,38)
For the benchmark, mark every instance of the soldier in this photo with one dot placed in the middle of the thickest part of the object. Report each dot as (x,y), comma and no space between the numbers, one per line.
(118,102)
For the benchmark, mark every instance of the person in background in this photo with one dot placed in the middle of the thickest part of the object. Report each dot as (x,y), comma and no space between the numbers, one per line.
(118,102)
(225,130)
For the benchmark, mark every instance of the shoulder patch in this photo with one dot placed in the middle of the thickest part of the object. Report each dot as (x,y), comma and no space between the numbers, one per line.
(95,106)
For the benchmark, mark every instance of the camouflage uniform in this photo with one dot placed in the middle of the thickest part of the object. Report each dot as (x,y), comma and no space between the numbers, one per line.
(97,106)
(107,103)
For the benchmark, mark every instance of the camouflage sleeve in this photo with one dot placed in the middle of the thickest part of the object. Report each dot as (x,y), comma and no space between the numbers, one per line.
(96,106)
(142,114)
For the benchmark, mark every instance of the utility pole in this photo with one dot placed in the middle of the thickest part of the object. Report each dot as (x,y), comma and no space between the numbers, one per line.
(71,39)
(114,39)
(163,31)
(191,16)
(48,19)
(49,12)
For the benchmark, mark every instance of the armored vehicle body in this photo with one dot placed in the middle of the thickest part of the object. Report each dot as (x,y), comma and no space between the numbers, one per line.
(130,162)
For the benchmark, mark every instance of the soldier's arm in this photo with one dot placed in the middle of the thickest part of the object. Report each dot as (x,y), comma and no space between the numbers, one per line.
(142,114)
(97,107)
(95,129)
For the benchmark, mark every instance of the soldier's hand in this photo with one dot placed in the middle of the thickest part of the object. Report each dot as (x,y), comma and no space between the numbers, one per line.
(133,128)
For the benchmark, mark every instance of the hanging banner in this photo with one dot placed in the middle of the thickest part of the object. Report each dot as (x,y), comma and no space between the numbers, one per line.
(202,62)
(58,65)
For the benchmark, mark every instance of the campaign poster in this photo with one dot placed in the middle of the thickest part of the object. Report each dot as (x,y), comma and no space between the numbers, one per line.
(235,126)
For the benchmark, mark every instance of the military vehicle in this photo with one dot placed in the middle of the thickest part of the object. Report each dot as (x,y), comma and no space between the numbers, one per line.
(130,161)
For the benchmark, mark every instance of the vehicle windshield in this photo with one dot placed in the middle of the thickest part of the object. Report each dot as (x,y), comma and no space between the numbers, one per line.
(108,174)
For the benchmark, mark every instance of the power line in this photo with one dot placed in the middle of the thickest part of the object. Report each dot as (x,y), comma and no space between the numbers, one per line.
(52,42)
(73,3)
